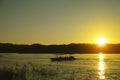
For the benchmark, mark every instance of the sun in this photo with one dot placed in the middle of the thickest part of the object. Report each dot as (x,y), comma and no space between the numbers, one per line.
(101,41)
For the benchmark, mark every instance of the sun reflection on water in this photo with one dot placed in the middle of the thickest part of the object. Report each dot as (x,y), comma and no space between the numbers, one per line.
(101,66)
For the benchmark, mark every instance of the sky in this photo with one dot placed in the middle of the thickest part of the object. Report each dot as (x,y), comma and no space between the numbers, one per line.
(59,21)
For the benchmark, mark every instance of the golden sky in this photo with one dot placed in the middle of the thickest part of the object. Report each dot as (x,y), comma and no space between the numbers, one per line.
(59,21)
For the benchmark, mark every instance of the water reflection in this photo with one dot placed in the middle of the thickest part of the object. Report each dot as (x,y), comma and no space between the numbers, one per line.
(101,66)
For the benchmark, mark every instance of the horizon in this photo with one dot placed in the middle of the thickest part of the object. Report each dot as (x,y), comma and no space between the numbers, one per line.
(59,21)
(61,44)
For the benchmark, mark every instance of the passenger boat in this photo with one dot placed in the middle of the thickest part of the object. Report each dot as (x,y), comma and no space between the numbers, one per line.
(65,58)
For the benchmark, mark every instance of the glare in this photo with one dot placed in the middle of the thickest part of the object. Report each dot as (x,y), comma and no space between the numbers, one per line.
(101,67)
(101,56)
(101,41)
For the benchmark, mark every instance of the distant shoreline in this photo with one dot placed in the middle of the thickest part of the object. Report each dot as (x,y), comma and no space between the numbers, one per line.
(61,53)
(56,49)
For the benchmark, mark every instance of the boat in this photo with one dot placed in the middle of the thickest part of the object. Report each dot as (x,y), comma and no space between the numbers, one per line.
(65,58)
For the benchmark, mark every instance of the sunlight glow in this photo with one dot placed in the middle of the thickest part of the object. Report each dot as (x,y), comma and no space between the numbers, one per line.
(101,66)
(101,56)
(101,41)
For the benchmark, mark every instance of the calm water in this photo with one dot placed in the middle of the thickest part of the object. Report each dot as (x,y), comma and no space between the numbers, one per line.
(87,66)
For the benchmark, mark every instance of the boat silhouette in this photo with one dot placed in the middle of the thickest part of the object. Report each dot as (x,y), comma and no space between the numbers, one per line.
(65,58)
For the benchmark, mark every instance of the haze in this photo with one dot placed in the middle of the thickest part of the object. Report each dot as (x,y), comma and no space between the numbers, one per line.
(59,21)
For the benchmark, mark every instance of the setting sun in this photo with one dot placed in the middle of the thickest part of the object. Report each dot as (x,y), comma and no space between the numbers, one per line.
(101,41)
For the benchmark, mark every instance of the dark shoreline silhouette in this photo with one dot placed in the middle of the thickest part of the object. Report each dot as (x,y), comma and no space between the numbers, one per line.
(63,48)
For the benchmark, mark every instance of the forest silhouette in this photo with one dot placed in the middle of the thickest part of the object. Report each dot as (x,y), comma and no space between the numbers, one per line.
(62,48)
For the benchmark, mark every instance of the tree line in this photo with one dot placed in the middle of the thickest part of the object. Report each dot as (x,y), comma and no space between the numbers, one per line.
(62,48)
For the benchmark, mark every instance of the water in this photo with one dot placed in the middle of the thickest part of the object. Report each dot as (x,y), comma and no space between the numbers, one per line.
(98,66)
